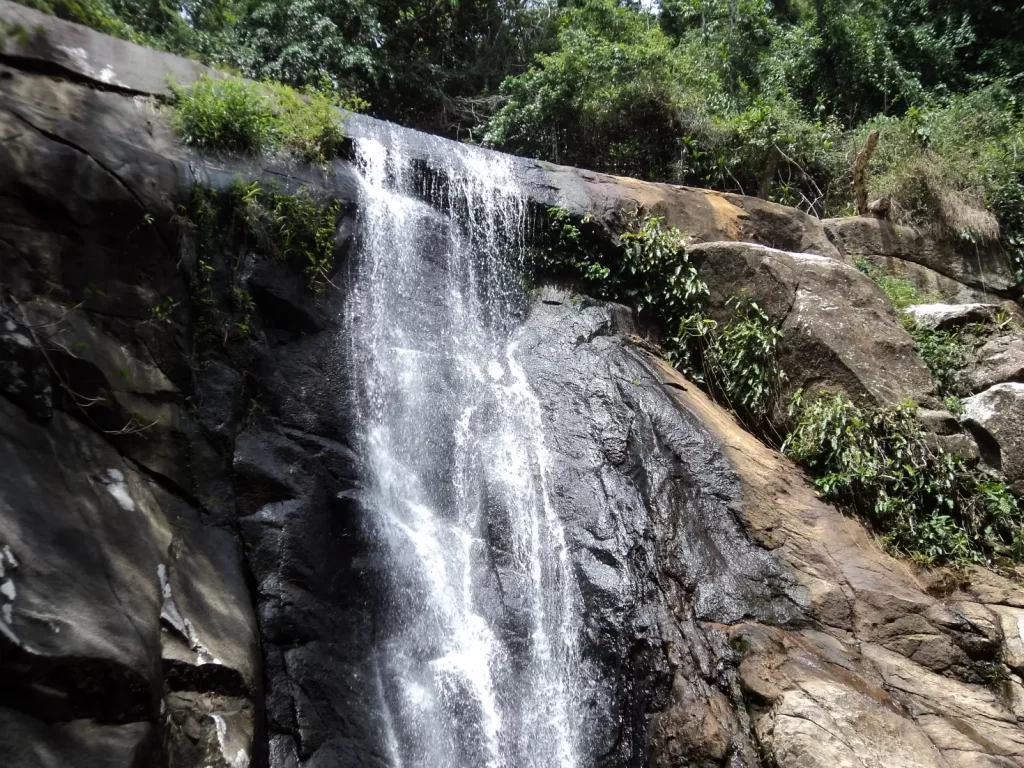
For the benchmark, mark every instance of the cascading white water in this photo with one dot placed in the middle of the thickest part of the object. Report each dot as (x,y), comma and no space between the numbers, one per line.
(478,640)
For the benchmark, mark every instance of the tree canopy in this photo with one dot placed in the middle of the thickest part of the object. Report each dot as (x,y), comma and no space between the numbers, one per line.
(766,97)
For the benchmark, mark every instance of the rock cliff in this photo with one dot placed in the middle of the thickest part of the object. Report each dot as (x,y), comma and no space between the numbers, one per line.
(186,578)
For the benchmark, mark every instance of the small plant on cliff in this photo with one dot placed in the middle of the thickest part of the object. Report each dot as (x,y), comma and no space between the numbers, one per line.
(945,353)
(880,465)
(297,228)
(901,291)
(231,228)
(235,115)
(741,365)
(648,269)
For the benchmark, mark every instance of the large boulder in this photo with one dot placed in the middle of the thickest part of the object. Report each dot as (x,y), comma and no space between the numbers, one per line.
(984,270)
(998,360)
(996,418)
(942,317)
(839,329)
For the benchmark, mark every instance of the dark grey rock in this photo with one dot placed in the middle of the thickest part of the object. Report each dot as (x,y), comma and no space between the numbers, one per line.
(645,496)
(28,743)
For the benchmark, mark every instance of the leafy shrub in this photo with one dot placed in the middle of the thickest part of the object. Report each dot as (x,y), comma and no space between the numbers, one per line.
(231,115)
(649,269)
(234,115)
(901,291)
(880,465)
(945,353)
(740,363)
(297,228)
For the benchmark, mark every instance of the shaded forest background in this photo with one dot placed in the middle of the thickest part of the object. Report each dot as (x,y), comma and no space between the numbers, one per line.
(764,97)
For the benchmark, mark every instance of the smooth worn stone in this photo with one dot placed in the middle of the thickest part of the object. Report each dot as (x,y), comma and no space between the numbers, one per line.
(998,360)
(983,269)
(942,317)
(823,307)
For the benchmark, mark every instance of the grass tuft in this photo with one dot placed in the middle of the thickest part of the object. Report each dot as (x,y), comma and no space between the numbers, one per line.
(235,115)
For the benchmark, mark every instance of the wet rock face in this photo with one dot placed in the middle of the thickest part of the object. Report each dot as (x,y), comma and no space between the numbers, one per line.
(645,494)
(129,633)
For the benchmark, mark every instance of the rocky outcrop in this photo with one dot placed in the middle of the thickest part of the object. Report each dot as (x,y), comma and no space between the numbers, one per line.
(997,361)
(942,317)
(844,656)
(887,674)
(823,307)
(187,578)
(994,417)
(984,270)
(128,629)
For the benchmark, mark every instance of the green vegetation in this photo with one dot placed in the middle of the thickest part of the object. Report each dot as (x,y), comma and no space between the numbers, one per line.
(901,291)
(741,366)
(298,229)
(97,14)
(765,97)
(946,353)
(230,228)
(650,270)
(880,464)
(238,116)
(774,99)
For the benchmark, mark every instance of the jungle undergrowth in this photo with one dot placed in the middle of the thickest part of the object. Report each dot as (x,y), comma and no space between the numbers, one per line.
(235,115)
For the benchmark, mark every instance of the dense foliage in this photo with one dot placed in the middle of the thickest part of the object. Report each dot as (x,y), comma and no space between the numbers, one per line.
(880,464)
(239,116)
(765,97)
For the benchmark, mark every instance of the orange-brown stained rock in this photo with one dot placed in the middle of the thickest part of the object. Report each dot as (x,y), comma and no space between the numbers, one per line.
(886,683)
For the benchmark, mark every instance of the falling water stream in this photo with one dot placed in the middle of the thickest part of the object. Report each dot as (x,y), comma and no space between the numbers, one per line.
(477,653)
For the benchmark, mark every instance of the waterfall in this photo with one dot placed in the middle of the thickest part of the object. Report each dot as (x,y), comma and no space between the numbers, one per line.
(477,660)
